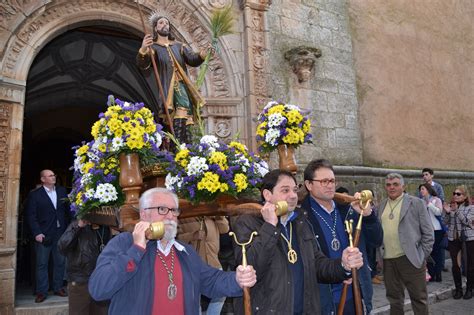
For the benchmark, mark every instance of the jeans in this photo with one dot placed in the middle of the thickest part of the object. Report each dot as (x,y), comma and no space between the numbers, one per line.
(42,259)
(437,255)
(215,306)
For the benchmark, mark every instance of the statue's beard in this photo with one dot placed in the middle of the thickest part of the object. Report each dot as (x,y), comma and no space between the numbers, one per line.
(171,229)
(165,32)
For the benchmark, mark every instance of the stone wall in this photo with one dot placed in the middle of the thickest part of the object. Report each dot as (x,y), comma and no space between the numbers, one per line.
(330,92)
(414,65)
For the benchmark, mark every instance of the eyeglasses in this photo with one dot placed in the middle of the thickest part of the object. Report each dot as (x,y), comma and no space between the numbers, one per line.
(164,210)
(324,182)
(392,184)
(52,175)
(457,194)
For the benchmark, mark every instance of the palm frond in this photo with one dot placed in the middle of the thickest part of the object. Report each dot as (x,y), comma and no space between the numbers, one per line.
(222,22)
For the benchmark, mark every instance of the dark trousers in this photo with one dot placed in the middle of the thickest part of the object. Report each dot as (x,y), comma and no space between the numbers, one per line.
(437,255)
(400,273)
(81,303)
(42,259)
(454,248)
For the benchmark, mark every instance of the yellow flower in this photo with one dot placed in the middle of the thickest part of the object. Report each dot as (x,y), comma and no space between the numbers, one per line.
(224,187)
(307,126)
(127,126)
(182,157)
(102,147)
(95,129)
(239,147)
(209,182)
(86,167)
(292,137)
(79,198)
(150,128)
(276,109)
(261,129)
(114,124)
(134,142)
(240,181)
(294,117)
(82,150)
(219,158)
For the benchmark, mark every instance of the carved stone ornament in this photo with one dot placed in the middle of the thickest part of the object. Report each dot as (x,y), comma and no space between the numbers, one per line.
(302,61)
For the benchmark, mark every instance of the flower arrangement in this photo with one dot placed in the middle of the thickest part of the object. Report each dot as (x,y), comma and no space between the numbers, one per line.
(123,128)
(281,123)
(202,171)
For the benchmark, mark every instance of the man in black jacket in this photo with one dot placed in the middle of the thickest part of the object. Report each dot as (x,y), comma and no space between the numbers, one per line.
(47,213)
(82,244)
(285,254)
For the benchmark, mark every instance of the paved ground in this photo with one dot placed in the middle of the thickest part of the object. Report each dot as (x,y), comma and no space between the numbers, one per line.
(437,292)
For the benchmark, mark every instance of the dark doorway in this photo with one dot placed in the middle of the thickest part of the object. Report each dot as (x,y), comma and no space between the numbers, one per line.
(67,87)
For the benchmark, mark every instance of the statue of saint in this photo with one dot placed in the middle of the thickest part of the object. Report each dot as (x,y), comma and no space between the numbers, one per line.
(181,97)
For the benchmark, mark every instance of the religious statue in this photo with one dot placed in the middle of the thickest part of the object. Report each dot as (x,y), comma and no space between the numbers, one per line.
(180,96)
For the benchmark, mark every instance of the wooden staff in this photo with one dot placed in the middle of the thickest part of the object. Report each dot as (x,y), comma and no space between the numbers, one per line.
(247,301)
(157,77)
(229,209)
(364,201)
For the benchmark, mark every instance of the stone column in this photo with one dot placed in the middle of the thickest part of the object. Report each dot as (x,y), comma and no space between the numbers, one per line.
(256,46)
(11,125)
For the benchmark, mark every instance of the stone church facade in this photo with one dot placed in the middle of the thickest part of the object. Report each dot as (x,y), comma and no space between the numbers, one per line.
(381,81)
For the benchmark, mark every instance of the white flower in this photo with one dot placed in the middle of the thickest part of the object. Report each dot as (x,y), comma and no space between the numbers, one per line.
(262,168)
(270,104)
(275,120)
(272,136)
(196,166)
(243,162)
(92,156)
(291,107)
(78,164)
(117,144)
(210,140)
(126,105)
(86,179)
(105,193)
(159,139)
(90,193)
(173,182)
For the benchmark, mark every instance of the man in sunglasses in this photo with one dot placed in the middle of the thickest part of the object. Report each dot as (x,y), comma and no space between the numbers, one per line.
(327,220)
(159,277)
(408,241)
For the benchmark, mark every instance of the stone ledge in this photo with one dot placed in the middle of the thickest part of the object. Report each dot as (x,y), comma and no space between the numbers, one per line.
(382,172)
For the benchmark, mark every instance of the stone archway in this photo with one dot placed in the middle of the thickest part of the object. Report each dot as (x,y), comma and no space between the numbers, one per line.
(27,26)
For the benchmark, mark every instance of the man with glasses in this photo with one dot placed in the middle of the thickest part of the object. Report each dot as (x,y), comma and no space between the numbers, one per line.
(327,220)
(285,254)
(47,213)
(140,276)
(408,241)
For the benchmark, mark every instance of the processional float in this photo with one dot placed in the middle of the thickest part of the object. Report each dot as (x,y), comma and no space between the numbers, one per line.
(125,217)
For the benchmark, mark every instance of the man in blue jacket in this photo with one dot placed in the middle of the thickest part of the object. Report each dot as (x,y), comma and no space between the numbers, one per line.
(327,220)
(47,213)
(159,277)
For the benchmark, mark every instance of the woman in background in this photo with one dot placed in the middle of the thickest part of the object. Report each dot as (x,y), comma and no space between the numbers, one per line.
(460,220)
(435,210)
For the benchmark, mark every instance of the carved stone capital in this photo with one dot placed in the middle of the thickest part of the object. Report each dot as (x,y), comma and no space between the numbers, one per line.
(302,61)
(259,5)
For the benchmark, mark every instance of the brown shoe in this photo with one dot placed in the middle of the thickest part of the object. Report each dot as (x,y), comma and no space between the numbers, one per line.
(40,297)
(61,292)
(376,280)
